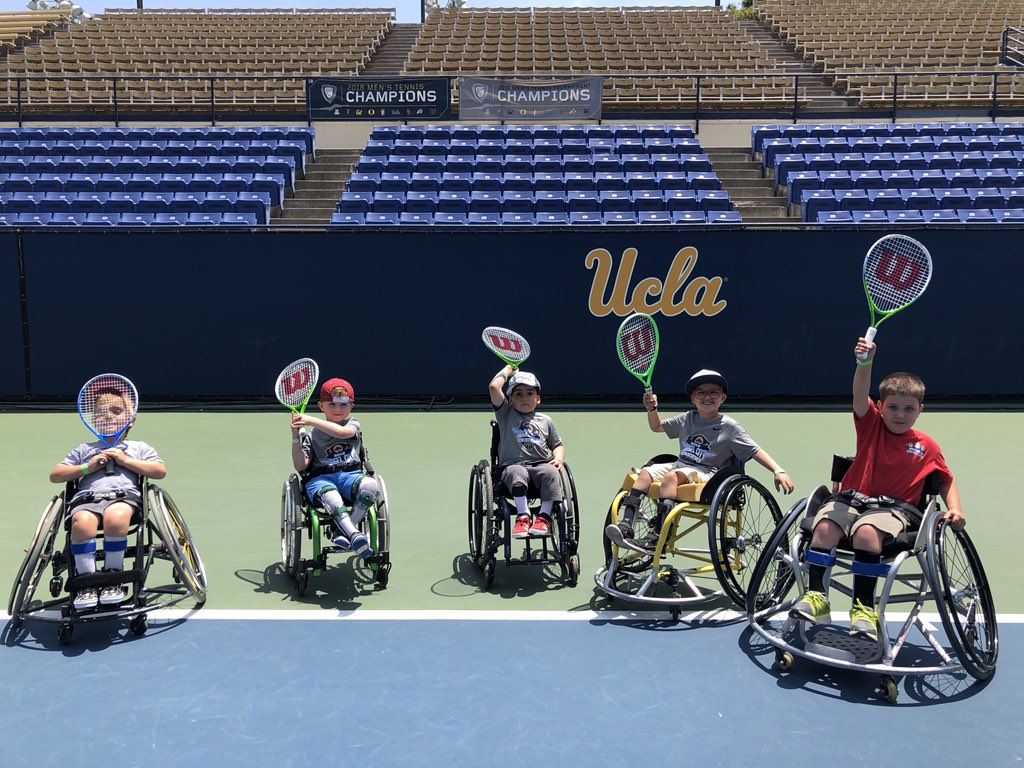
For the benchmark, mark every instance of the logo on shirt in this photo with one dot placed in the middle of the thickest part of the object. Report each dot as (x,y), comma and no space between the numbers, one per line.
(697,449)
(915,449)
(527,432)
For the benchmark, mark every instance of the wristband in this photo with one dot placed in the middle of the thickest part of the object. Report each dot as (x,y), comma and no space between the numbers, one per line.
(652,410)
(296,440)
(780,472)
(866,362)
(85,470)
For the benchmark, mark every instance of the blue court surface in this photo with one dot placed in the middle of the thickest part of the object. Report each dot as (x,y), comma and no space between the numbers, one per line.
(478,689)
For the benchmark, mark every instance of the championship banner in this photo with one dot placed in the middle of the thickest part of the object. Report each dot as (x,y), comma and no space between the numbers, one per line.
(498,98)
(398,98)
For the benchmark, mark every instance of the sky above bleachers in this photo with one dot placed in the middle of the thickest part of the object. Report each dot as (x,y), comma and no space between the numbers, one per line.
(408,11)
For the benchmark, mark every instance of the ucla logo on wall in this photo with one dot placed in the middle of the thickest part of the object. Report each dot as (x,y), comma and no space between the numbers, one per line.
(680,292)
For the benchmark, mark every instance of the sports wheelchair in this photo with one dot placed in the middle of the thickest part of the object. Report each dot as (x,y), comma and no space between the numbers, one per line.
(301,518)
(492,513)
(933,563)
(157,533)
(733,513)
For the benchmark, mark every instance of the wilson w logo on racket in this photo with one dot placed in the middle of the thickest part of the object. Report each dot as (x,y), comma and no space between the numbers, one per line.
(637,344)
(298,381)
(897,269)
(508,345)
(296,384)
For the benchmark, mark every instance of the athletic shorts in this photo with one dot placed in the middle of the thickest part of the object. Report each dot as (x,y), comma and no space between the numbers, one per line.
(687,472)
(891,521)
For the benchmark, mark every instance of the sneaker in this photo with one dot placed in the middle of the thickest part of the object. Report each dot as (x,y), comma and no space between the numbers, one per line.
(647,545)
(541,527)
(113,595)
(522,527)
(813,607)
(864,621)
(361,546)
(619,532)
(86,598)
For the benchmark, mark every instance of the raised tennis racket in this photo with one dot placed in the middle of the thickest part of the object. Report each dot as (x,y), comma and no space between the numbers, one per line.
(107,404)
(508,345)
(296,384)
(897,269)
(637,344)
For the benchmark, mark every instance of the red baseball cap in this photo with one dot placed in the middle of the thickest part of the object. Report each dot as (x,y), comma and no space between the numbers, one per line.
(327,390)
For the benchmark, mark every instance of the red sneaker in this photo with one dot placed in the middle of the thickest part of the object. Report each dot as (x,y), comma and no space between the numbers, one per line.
(541,527)
(522,528)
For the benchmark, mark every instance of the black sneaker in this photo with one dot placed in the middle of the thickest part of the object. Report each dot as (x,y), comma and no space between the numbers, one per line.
(647,545)
(619,533)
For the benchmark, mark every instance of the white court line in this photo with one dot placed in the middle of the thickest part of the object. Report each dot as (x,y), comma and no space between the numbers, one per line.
(716,616)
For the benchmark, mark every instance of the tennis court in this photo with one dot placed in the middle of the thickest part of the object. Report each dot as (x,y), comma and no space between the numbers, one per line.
(433,669)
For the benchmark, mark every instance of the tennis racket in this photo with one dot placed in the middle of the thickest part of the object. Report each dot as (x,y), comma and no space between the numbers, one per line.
(107,404)
(296,384)
(508,345)
(637,344)
(897,269)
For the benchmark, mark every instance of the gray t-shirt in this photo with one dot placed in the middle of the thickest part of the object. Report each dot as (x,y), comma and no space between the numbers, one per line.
(328,453)
(121,479)
(524,437)
(709,444)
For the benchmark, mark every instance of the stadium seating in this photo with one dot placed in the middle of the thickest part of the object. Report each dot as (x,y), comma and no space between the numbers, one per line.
(531,175)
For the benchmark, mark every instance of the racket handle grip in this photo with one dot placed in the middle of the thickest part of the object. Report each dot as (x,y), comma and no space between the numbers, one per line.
(869,335)
(108,468)
(648,390)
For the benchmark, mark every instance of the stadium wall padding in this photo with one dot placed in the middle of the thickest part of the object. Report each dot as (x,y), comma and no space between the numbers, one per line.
(216,315)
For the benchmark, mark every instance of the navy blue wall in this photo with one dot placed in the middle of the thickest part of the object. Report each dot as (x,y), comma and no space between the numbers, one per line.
(214,314)
(12,371)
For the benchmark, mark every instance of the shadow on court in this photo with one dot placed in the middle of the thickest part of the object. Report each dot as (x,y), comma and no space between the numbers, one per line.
(340,586)
(88,637)
(517,580)
(863,687)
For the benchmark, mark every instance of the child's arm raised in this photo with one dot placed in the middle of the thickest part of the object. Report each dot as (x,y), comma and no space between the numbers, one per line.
(496,389)
(862,376)
(653,417)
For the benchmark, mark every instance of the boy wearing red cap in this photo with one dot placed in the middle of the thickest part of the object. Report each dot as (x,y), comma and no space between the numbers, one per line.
(708,440)
(330,449)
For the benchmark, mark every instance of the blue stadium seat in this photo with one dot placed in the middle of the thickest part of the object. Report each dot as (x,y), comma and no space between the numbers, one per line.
(476,218)
(363,182)
(580,201)
(421,218)
(648,200)
(953,198)
(976,215)
(518,164)
(814,202)
(517,202)
(940,215)
(204,218)
(345,218)
(81,182)
(257,203)
(994,177)
(851,161)
(646,180)
(919,199)
(453,201)
(486,181)
(885,199)
(834,217)
(615,164)
(517,182)
(495,164)
(484,202)
(33,219)
(904,217)
(900,179)
(986,198)
(383,218)
(450,218)
(67,219)
(23,202)
(1011,215)
(550,202)
(518,219)
(185,202)
(963,178)
(102,219)
(615,201)
(573,164)
(665,163)
(688,217)
(654,217)
(137,219)
(20,182)
(836,179)
(677,200)
(456,182)
(860,217)
(713,200)
(387,202)
(421,202)
(619,217)
(586,217)
(724,217)
(166,218)
(606,182)
(852,199)
(219,202)
(455,164)
(800,182)
(425,182)
(90,202)
(868,179)
(50,182)
(638,163)
(553,218)
(579,182)
(352,202)
(549,182)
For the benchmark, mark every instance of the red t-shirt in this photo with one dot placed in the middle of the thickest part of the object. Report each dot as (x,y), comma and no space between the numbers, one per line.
(887,464)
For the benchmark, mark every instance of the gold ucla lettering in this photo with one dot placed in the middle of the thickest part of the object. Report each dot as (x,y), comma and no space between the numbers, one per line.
(678,293)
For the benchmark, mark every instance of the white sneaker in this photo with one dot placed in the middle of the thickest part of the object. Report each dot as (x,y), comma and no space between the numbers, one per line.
(113,595)
(86,598)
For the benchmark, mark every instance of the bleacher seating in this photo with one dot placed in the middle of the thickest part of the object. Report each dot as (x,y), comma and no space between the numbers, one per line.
(961,172)
(111,172)
(532,175)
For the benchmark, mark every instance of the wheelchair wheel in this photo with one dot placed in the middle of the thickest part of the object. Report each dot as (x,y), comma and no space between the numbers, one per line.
(176,538)
(772,578)
(630,563)
(292,519)
(742,518)
(490,521)
(38,557)
(964,599)
(476,513)
(383,547)
(568,539)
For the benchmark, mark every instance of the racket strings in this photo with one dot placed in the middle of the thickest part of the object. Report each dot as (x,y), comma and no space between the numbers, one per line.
(506,344)
(896,274)
(296,383)
(638,344)
(107,404)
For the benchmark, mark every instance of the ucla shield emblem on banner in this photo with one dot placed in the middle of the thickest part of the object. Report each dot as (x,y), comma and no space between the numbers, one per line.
(329,92)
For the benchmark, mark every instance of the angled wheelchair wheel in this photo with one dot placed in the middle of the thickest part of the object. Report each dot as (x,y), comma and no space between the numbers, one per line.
(177,540)
(964,599)
(292,522)
(38,558)
(773,579)
(475,511)
(743,516)
(383,549)
(490,519)
(569,535)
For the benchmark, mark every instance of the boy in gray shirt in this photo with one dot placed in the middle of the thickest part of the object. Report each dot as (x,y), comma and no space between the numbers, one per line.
(529,448)
(708,441)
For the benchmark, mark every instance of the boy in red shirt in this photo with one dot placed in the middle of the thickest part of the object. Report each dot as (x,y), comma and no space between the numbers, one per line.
(880,492)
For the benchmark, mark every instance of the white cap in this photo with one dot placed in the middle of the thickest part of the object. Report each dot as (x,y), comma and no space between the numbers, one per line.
(522,377)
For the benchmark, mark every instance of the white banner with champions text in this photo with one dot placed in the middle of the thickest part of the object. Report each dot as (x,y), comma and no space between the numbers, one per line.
(496,98)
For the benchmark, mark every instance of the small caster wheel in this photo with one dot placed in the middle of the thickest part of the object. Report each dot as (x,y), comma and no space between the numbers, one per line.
(56,586)
(139,625)
(64,634)
(574,570)
(890,691)
(382,577)
(676,611)
(301,581)
(783,661)
(489,573)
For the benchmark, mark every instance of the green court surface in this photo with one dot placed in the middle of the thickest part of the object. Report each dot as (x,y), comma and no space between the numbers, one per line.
(226,470)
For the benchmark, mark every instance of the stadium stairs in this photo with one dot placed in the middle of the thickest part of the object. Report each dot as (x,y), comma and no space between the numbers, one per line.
(317,193)
(752,195)
(387,61)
